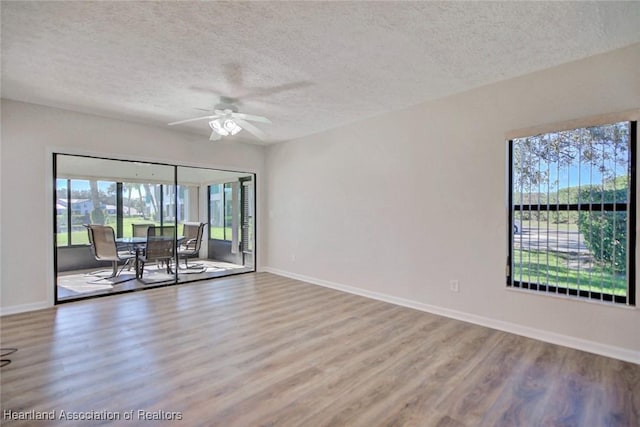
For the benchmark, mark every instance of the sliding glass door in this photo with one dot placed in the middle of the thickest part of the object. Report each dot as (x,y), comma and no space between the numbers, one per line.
(139,206)
(213,204)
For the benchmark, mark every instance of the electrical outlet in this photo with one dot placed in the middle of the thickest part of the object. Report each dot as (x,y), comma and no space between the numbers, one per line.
(454,286)
(293,257)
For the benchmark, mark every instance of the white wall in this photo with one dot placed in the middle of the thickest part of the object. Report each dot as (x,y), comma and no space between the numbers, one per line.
(396,206)
(30,133)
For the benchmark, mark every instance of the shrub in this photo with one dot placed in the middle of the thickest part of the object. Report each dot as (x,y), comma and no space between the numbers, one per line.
(605,233)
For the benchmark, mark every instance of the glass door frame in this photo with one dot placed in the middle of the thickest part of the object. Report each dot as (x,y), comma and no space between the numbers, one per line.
(120,213)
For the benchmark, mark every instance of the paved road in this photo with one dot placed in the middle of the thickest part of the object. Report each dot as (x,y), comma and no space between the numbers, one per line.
(556,240)
(568,243)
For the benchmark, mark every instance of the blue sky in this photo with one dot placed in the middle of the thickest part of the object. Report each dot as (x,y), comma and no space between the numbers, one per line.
(585,175)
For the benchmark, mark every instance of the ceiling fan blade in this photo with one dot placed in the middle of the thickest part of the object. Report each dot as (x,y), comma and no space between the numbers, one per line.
(251,117)
(193,120)
(215,136)
(250,128)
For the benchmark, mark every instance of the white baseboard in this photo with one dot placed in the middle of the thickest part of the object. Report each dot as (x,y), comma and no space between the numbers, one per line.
(15,309)
(514,328)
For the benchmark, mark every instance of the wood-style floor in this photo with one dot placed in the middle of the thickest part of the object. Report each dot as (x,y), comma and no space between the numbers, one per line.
(259,349)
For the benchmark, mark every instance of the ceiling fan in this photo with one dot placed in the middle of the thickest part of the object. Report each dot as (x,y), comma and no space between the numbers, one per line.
(229,122)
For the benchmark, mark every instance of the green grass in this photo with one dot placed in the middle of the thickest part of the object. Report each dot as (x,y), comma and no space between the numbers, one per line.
(77,237)
(550,268)
(81,237)
(218,232)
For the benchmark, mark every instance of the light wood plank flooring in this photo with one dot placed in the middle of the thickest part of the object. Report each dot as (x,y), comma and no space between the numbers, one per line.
(259,349)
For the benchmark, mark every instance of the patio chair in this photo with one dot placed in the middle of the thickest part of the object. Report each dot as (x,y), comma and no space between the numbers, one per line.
(140,230)
(93,251)
(190,246)
(103,247)
(160,248)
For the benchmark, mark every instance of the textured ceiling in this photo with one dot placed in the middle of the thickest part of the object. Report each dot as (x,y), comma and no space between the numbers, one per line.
(308,66)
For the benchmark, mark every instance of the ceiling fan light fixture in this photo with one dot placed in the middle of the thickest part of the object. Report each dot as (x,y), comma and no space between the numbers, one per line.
(225,128)
(229,122)
(231,126)
(218,128)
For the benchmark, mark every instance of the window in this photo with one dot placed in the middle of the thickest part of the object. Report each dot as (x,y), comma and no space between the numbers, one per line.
(216,212)
(221,211)
(79,202)
(220,207)
(142,203)
(572,213)
(139,205)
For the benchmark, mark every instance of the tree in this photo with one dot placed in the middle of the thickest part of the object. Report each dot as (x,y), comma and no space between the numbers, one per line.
(604,149)
(129,186)
(152,197)
(97,214)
